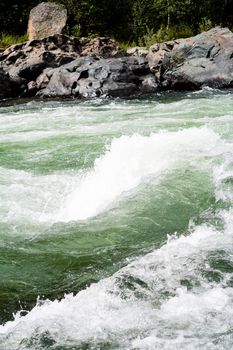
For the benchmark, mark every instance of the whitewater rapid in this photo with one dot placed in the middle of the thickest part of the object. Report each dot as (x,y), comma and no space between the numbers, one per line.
(130,161)
(177,293)
(163,300)
(168,299)
(126,163)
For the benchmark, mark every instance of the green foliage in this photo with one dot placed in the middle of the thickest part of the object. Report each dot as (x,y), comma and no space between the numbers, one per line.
(9,39)
(76,30)
(14,15)
(165,34)
(149,38)
(141,21)
(205,24)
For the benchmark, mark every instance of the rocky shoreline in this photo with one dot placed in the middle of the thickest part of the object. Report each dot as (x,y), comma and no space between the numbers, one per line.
(60,66)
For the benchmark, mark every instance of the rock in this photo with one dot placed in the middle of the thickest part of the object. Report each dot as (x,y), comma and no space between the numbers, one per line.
(31,89)
(103,46)
(46,19)
(62,66)
(190,64)
(25,62)
(149,84)
(7,87)
(157,53)
(138,51)
(95,76)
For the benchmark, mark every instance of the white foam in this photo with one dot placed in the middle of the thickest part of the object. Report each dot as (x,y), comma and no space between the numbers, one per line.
(142,306)
(129,161)
(28,198)
(29,136)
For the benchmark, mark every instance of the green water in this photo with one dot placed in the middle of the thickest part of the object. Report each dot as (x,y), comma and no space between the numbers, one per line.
(87,190)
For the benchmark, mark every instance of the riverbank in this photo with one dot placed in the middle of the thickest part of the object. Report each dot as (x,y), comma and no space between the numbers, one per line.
(60,66)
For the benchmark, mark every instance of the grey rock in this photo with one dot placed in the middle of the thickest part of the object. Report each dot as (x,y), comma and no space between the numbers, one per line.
(190,64)
(157,53)
(25,62)
(8,88)
(95,76)
(46,19)
(138,51)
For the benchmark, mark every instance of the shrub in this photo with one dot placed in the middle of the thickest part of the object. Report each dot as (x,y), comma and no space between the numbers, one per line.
(205,24)
(164,34)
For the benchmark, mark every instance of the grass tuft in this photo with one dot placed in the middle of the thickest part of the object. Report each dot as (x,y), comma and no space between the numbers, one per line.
(8,39)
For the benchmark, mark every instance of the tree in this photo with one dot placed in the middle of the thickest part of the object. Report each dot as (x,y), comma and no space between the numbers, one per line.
(126,20)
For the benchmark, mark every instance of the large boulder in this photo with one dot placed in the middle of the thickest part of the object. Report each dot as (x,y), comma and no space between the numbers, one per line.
(202,60)
(25,62)
(93,76)
(46,19)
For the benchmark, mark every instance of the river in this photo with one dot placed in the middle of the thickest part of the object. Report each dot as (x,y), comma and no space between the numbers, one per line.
(116,223)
